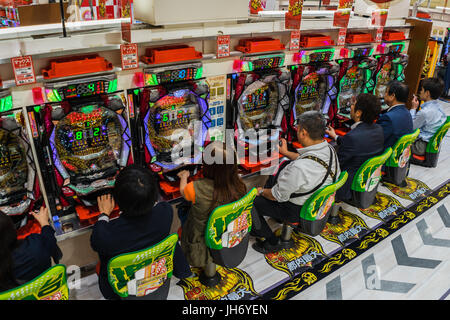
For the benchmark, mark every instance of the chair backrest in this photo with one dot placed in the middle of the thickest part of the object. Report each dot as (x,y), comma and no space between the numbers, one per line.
(142,272)
(369,174)
(401,151)
(228,224)
(50,285)
(321,201)
(435,142)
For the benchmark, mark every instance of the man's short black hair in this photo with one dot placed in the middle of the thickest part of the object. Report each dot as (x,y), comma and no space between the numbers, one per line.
(314,123)
(434,85)
(369,105)
(399,89)
(135,191)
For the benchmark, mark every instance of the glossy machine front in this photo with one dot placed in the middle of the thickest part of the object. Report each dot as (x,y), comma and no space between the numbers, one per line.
(313,85)
(258,99)
(20,191)
(85,138)
(172,119)
(391,62)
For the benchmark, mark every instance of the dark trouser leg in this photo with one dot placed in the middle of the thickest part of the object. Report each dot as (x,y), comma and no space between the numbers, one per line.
(419,147)
(285,211)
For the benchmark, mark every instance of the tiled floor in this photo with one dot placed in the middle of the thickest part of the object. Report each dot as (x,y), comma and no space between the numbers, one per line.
(412,263)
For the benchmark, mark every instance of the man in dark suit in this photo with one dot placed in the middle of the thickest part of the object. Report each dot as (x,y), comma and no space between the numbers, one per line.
(363,142)
(397,121)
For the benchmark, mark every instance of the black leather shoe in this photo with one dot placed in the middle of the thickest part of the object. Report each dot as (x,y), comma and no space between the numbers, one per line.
(265,247)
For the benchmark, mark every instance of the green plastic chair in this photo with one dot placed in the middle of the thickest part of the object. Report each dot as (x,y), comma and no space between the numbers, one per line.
(50,285)
(314,213)
(431,157)
(227,234)
(397,164)
(144,274)
(366,180)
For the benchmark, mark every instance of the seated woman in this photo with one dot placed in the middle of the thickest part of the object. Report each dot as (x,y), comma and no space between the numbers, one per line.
(364,141)
(140,225)
(23,260)
(220,186)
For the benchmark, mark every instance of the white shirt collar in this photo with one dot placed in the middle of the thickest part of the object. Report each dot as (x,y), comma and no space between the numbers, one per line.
(400,104)
(355,125)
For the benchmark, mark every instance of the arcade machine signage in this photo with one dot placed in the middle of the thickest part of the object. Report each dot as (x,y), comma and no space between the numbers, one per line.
(258,99)
(391,61)
(87,141)
(314,83)
(20,191)
(172,116)
(355,75)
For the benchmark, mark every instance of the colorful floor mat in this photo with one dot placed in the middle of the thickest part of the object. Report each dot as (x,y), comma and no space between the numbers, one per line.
(414,189)
(345,254)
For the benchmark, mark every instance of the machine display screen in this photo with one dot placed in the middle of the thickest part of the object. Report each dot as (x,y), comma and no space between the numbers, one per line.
(84,89)
(88,140)
(13,165)
(361,52)
(310,93)
(176,75)
(267,63)
(177,110)
(320,56)
(258,105)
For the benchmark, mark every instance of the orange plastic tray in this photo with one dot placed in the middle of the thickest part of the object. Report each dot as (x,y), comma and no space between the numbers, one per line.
(72,66)
(90,215)
(393,35)
(169,54)
(254,167)
(31,227)
(172,189)
(358,37)
(256,45)
(315,40)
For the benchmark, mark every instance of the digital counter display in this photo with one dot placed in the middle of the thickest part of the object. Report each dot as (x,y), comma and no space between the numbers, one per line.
(176,75)
(396,48)
(171,119)
(267,63)
(320,56)
(361,52)
(83,89)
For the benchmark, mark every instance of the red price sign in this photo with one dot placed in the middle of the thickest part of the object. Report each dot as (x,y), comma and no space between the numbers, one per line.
(129,54)
(223,46)
(341,37)
(379,35)
(23,70)
(295,40)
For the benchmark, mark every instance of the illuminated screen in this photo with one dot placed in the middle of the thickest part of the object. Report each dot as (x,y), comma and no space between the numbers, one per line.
(89,140)
(396,48)
(320,56)
(13,165)
(351,85)
(267,63)
(310,93)
(361,52)
(258,105)
(83,89)
(176,75)
(177,110)
(384,76)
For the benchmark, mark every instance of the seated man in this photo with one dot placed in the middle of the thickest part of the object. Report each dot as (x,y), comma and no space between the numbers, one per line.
(283,197)
(363,142)
(141,224)
(397,121)
(430,117)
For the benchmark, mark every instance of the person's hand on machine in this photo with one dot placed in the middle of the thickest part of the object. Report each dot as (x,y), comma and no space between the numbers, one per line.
(283,149)
(105,204)
(184,174)
(41,216)
(330,132)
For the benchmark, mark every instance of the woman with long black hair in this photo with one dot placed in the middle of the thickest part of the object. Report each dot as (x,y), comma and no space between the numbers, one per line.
(221,185)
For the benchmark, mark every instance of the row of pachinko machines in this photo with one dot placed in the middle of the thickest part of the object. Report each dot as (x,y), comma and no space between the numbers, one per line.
(84,130)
